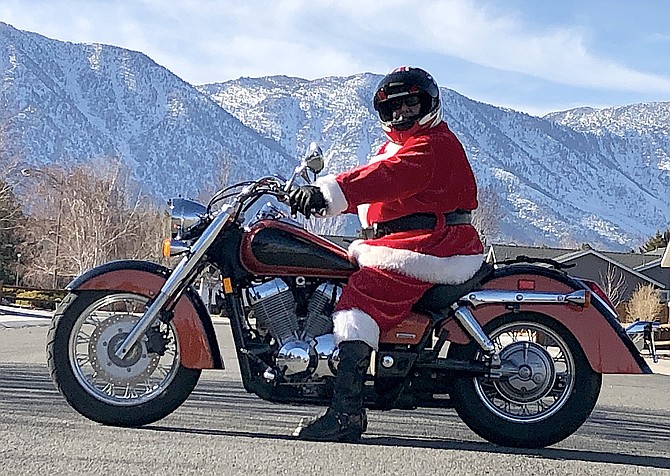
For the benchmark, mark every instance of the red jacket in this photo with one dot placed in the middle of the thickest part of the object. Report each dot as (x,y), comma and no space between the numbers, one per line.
(429,173)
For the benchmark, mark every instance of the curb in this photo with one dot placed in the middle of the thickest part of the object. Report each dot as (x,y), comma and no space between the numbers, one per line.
(23,312)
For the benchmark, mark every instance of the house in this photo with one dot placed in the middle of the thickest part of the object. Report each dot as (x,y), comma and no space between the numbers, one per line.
(614,272)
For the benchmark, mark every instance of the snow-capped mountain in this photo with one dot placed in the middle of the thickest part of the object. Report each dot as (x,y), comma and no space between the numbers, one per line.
(557,184)
(647,125)
(71,102)
(584,175)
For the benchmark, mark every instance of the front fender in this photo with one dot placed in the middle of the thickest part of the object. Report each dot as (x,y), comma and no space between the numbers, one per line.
(603,340)
(198,345)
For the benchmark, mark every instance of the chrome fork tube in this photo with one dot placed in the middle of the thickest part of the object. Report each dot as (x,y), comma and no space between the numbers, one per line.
(175,283)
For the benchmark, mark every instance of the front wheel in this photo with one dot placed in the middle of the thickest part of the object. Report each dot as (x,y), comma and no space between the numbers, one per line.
(146,385)
(547,389)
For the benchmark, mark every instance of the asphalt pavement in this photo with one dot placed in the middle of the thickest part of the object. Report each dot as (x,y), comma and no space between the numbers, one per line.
(221,429)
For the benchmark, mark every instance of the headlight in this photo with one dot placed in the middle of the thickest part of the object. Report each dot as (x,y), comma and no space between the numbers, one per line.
(185,217)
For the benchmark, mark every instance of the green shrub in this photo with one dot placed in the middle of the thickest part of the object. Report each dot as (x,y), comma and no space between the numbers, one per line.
(39,299)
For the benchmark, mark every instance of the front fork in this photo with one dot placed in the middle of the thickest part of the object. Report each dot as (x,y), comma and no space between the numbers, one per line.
(183,274)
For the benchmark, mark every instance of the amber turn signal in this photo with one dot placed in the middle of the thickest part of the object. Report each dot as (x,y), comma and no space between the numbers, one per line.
(166,247)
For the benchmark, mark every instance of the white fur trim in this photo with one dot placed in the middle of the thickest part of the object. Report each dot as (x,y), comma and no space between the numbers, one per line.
(354,324)
(389,151)
(333,194)
(363,214)
(427,268)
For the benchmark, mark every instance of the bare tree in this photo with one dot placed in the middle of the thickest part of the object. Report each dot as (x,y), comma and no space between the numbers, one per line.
(12,220)
(87,216)
(10,211)
(614,284)
(488,216)
(644,304)
(220,178)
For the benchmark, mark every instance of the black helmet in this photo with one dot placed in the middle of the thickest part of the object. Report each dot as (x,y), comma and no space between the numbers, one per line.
(401,83)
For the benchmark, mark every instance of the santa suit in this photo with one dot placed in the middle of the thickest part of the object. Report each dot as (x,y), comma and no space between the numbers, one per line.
(428,173)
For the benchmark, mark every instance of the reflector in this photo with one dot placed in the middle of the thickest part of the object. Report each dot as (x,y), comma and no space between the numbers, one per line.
(525,285)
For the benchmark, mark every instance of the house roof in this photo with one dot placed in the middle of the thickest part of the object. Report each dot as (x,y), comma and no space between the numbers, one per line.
(505,252)
(635,260)
(631,262)
(578,254)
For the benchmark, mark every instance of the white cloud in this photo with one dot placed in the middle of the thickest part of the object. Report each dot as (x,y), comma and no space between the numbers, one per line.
(205,40)
(492,37)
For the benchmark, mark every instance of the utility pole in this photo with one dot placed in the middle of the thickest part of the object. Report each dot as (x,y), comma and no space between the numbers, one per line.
(18,266)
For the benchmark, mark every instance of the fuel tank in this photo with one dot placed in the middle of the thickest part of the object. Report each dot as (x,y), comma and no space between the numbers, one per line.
(276,248)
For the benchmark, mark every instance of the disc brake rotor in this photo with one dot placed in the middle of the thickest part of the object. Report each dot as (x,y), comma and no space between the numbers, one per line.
(105,340)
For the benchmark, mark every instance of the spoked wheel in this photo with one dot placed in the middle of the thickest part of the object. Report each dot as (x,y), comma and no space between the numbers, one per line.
(146,385)
(546,391)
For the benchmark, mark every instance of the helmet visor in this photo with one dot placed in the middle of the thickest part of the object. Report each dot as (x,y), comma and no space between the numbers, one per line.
(388,107)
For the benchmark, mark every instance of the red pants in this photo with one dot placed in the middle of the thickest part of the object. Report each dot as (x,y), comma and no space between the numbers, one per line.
(385,296)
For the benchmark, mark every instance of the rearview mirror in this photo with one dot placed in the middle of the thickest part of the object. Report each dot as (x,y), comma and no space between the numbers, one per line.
(314,158)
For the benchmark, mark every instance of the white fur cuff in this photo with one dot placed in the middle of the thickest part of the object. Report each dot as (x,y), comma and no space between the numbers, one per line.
(426,268)
(354,324)
(333,194)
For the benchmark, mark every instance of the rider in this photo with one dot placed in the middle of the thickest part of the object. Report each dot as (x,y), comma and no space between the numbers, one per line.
(414,200)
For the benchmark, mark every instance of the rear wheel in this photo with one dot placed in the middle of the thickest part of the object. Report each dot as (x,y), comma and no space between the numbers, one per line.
(146,385)
(547,389)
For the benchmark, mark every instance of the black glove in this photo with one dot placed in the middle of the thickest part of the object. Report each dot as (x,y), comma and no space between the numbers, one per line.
(307,200)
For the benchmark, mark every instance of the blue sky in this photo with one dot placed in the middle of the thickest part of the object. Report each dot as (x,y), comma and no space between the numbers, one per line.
(535,56)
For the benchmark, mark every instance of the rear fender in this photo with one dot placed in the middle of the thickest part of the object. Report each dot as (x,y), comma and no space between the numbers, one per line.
(198,345)
(604,342)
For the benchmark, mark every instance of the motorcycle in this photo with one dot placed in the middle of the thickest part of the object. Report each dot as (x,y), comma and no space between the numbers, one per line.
(518,350)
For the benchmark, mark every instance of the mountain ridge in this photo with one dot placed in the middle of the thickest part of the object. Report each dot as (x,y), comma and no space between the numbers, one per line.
(67,102)
(570,177)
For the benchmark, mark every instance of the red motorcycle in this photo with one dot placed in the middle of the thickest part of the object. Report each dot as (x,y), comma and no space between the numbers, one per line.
(518,350)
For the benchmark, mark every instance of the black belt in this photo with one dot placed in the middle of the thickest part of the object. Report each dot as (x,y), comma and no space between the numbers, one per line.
(416,221)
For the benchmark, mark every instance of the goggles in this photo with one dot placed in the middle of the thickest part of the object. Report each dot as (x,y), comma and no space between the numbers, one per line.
(396,103)
(386,108)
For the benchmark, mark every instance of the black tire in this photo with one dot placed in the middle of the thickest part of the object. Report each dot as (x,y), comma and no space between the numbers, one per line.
(475,398)
(83,394)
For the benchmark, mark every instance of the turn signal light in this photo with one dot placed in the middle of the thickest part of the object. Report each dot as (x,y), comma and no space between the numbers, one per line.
(166,247)
(172,247)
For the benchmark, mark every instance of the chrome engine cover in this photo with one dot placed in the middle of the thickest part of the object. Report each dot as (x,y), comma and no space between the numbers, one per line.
(317,358)
(306,345)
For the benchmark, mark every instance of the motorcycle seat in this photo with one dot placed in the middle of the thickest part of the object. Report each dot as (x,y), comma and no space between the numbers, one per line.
(441,296)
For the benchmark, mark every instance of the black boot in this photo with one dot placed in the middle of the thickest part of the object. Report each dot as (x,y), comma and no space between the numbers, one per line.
(345,419)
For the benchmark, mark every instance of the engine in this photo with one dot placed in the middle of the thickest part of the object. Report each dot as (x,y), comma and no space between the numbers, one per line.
(298,317)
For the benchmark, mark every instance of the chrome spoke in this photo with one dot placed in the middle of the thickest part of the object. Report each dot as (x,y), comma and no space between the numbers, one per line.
(141,375)
(544,378)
